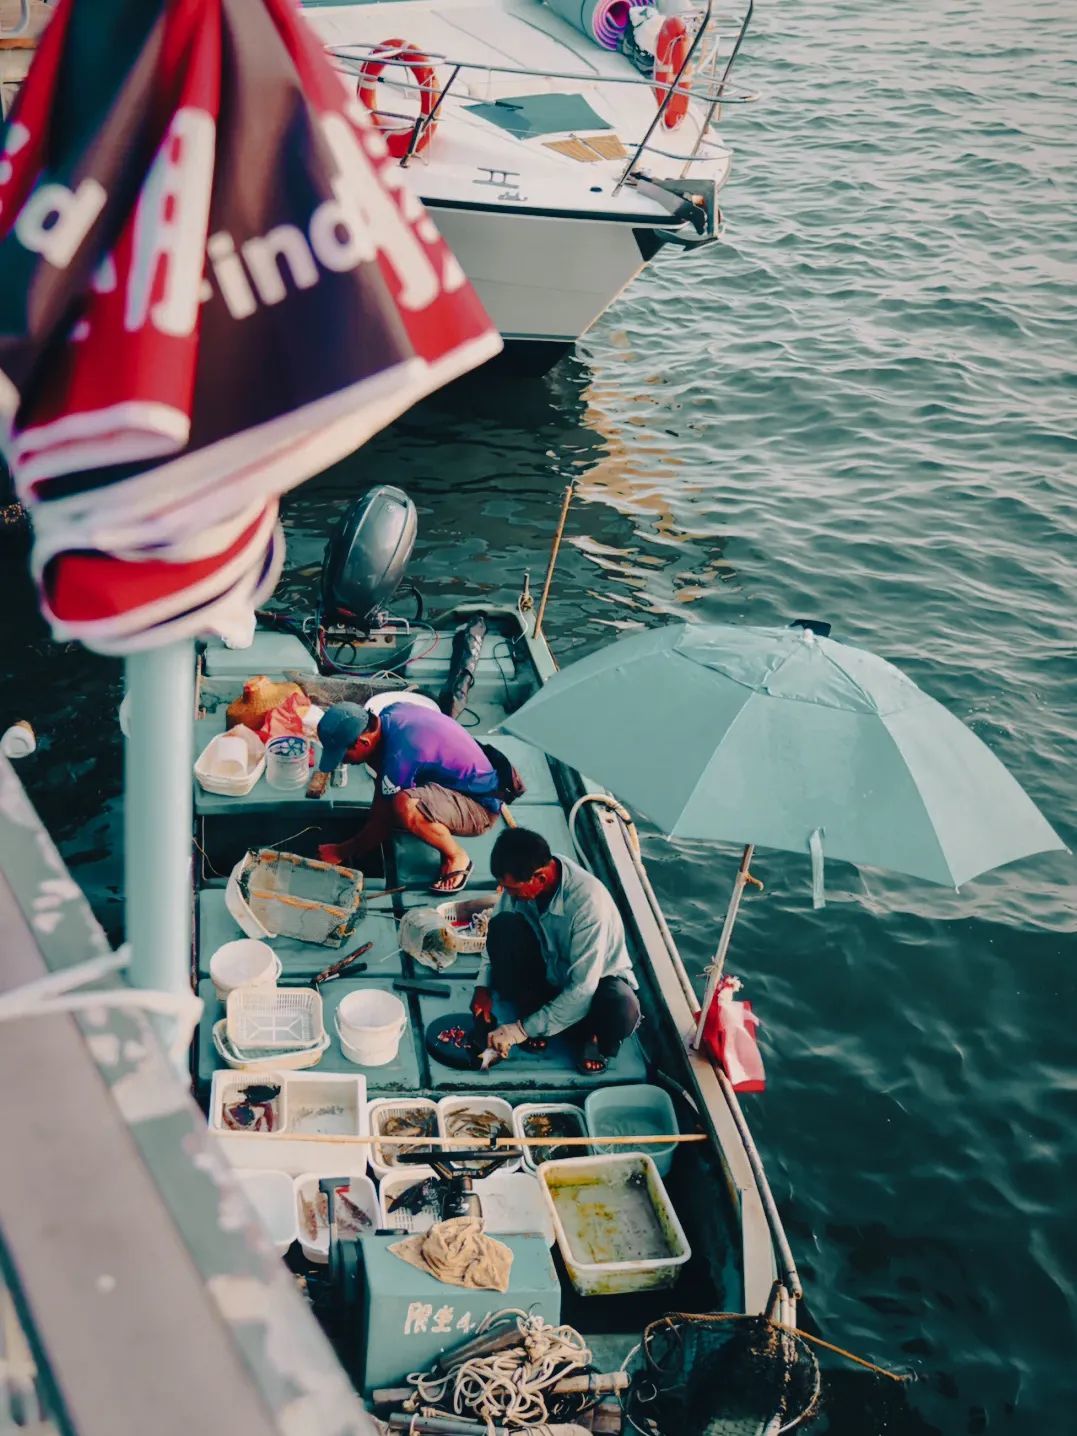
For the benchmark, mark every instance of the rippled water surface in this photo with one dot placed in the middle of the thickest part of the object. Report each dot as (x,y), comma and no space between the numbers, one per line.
(860,408)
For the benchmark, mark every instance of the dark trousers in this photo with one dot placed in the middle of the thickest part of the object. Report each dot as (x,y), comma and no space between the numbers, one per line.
(518,973)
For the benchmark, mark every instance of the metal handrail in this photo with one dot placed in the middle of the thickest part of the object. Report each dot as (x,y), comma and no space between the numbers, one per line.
(359,51)
(714,101)
(366,52)
(721,85)
(664,106)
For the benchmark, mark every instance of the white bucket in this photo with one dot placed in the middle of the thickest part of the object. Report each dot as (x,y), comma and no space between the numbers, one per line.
(370,1026)
(243,963)
(287,761)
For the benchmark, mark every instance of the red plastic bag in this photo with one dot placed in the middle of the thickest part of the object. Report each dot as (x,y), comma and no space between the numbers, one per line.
(729,1038)
(286,718)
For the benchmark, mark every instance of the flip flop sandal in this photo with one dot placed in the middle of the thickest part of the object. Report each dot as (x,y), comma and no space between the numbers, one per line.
(592,1053)
(535,1044)
(458,887)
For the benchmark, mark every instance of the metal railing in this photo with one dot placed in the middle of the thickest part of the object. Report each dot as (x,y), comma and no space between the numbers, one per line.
(355,55)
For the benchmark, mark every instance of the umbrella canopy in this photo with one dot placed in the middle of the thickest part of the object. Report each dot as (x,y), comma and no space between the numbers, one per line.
(783,739)
(213,283)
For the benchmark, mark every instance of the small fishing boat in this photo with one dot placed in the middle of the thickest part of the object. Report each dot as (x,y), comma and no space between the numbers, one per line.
(553,168)
(721,1248)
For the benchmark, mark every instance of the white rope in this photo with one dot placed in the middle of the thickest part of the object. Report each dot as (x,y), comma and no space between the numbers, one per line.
(510,1386)
(51,994)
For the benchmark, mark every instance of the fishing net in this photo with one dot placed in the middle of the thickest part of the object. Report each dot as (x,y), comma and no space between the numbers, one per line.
(718,1375)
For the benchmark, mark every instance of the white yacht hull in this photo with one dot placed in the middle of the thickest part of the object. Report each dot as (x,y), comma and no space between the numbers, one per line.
(555,201)
(544,280)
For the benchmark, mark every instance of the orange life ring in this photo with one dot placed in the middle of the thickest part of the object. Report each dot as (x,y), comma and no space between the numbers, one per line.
(402,53)
(670,54)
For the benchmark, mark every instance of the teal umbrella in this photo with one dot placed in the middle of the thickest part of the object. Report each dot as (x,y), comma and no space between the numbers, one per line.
(785,738)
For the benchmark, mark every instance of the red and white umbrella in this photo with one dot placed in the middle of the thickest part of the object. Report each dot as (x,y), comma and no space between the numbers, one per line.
(213,284)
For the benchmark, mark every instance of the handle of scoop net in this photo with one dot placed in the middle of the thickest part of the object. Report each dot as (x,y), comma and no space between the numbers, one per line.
(385,892)
(336,968)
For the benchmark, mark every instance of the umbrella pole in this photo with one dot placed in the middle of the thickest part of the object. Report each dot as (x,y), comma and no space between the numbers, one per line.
(158,815)
(718,965)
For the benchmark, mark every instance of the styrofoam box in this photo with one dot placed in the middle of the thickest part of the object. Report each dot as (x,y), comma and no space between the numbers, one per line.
(386,1107)
(311,1104)
(362,1192)
(512,1204)
(479,1102)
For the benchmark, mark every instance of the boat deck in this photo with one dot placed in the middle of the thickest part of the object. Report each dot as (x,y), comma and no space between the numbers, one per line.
(228,825)
(506,674)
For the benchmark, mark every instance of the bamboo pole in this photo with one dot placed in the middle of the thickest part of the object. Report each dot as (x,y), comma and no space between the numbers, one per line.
(717,967)
(554,547)
(469,1144)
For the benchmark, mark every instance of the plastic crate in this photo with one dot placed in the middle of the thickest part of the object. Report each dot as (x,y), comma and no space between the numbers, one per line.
(265,1018)
(616,1227)
(302,898)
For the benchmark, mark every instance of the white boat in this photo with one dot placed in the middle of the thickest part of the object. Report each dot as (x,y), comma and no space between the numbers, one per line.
(546,161)
(146,1159)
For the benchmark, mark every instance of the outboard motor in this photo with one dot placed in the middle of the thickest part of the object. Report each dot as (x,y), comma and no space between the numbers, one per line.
(365,561)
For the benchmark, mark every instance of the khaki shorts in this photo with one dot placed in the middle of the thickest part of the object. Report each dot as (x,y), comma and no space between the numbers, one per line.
(464,816)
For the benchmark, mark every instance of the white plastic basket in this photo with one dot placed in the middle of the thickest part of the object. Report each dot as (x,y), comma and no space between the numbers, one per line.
(476,1102)
(379,1113)
(467,935)
(275,1018)
(534,1109)
(227,1087)
(253,1060)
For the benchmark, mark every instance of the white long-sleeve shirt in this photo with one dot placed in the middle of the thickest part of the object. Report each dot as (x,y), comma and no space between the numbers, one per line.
(582,940)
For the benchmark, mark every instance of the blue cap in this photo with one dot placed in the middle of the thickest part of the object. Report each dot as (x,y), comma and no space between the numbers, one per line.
(341,726)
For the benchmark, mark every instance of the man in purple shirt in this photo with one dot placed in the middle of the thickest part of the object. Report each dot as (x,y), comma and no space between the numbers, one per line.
(432,780)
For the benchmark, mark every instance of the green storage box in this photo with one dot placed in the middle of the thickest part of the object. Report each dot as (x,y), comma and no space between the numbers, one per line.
(409,1317)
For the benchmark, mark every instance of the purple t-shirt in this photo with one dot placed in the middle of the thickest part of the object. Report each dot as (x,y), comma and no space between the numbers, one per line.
(420,746)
